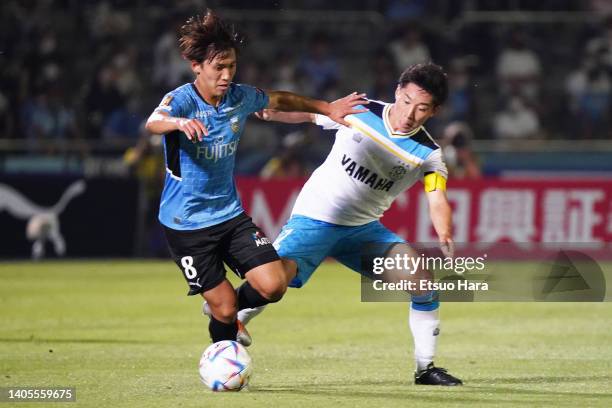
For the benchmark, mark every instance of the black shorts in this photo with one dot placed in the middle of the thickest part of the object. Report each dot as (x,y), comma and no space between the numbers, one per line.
(200,253)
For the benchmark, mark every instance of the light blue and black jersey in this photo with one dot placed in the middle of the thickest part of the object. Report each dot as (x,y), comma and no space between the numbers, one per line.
(199,189)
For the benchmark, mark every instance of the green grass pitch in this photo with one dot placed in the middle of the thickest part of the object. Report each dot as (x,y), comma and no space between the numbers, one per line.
(124,334)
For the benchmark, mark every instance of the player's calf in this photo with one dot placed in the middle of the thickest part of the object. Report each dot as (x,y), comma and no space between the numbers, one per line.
(222,302)
(223,309)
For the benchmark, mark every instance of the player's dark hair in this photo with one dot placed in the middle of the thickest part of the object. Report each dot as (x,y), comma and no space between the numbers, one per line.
(203,38)
(428,76)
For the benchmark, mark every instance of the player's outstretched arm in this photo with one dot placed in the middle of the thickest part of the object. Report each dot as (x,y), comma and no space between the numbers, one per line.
(160,123)
(290,102)
(441,217)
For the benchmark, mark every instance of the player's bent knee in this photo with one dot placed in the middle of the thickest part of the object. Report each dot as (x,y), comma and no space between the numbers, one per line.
(273,291)
(225,313)
(270,281)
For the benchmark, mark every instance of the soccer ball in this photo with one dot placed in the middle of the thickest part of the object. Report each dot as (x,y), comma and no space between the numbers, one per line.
(225,366)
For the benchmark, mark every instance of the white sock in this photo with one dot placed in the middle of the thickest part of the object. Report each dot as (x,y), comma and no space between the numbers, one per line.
(245,315)
(425,329)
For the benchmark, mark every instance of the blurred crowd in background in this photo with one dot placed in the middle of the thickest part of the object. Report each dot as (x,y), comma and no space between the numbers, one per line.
(76,71)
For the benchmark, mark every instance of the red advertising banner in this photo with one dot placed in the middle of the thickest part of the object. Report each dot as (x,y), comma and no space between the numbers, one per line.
(520,211)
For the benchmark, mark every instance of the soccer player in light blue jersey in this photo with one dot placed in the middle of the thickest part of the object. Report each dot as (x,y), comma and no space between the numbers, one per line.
(383,152)
(203,219)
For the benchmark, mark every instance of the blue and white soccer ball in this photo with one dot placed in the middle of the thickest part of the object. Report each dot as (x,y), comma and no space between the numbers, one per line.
(225,366)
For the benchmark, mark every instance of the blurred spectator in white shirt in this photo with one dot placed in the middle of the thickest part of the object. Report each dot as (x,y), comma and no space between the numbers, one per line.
(409,49)
(516,121)
(169,68)
(601,46)
(518,69)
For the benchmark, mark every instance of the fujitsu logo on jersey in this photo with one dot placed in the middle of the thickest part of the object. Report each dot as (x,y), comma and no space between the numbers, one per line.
(260,239)
(216,151)
(365,175)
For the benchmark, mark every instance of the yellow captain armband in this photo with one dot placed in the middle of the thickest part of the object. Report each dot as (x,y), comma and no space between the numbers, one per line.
(434,181)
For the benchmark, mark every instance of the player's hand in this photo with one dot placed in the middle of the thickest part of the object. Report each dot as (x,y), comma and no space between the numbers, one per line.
(447,245)
(265,114)
(193,128)
(345,106)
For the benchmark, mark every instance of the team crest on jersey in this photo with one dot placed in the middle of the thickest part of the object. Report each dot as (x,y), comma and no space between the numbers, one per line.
(397,173)
(235,124)
(166,101)
(261,239)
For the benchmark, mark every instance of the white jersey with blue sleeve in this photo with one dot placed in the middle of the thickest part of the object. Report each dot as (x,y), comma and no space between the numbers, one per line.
(368,166)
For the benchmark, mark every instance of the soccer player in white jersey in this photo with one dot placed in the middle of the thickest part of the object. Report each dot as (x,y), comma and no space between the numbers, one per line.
(383,153)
